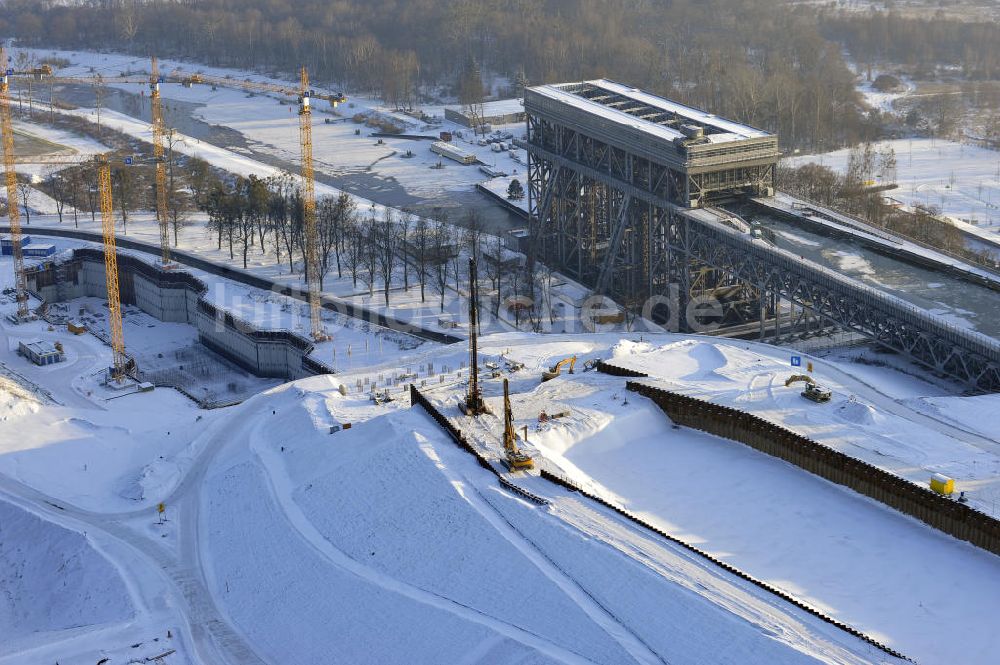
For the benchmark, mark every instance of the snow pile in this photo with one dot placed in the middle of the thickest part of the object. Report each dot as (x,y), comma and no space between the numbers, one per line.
(857,413)
(15,402)
(52,579)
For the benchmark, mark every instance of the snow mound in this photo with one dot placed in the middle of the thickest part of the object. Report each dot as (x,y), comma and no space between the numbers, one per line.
(627,347)
(857,413)
(710,360)
(52,579)
(89,426)
(15,402)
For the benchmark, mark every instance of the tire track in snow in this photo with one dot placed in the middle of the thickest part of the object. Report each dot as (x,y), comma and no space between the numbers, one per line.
(280,487)
(600,615)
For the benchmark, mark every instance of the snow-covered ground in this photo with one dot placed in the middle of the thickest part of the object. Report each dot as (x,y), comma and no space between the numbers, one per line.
(864,564)
(425,546)
(963,181)
(268,123)
(289,542)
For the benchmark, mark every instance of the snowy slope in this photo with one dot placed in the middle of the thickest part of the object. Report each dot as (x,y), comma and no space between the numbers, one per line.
(51,579)
(385,543)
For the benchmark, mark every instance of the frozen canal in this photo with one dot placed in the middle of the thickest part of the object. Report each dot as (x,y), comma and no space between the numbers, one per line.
(956,301)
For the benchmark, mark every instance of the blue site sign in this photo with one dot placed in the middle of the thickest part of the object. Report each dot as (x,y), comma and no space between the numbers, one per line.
(796,361)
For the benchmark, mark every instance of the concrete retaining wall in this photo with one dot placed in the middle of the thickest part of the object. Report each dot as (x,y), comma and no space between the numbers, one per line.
(177,297)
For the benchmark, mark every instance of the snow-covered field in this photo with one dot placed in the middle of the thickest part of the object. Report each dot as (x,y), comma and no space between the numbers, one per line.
(426,559)
(963,181)
(288,540)
(268,123)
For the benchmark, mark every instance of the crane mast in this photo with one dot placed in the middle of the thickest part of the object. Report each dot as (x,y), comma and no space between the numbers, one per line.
(161,169)
(6,127)
(309,209)
(474,404)
(119,368)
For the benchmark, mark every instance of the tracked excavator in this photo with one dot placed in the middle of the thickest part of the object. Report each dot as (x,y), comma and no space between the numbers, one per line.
(813,391)
(556,369)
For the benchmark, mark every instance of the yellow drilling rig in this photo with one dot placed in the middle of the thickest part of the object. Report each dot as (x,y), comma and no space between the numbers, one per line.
(516,460)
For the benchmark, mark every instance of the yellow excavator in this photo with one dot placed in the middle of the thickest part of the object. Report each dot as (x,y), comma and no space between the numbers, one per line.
(813,391)
(556,369)
(516,460)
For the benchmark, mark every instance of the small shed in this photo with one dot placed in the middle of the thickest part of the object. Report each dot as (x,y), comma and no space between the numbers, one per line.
(7,245)
(41,352)
(76,327)
(38,250)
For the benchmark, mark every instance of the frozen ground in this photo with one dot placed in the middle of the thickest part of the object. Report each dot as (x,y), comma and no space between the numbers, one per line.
(267,124)
(864,564)
(963,181)
(470,573)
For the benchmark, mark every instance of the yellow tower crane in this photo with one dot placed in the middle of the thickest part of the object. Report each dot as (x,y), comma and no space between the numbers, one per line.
(309,208)
(121,364)
(304,95)
(13,214)
(153,81)
(161,168)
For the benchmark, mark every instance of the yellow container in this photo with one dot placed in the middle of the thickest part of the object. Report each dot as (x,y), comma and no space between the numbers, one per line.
(942,484)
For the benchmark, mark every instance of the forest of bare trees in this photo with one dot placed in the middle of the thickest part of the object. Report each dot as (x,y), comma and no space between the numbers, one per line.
(758,61)
(889,37)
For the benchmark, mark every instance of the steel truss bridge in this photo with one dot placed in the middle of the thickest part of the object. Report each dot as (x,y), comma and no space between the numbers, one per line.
(610,212)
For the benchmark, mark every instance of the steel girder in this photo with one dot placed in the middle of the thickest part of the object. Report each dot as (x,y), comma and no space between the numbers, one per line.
(969,357)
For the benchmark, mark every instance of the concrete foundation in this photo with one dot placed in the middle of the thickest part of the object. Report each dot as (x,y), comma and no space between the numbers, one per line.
(178,297)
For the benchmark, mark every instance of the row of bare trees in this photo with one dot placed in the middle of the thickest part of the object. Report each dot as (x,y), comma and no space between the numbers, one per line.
(378,250)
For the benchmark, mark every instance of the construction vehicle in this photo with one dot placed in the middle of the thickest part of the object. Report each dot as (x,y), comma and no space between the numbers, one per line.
(513,365)
(556,369)
(474,405)
(516,460)
(799,377)
(813,391)
(816,393)
(591,364)
(544,417)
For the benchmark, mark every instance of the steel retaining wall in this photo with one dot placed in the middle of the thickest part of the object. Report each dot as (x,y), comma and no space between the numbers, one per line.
(946,515)
(568,484)
(459,438)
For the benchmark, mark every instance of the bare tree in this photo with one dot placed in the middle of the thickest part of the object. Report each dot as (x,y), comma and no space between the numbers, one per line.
(371,252)
(493,251)
(421,245)
(331,216)
(388,247)
(25,192)
(59,189)
(124,181)
(442,248)
(178,200)
(75,184)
